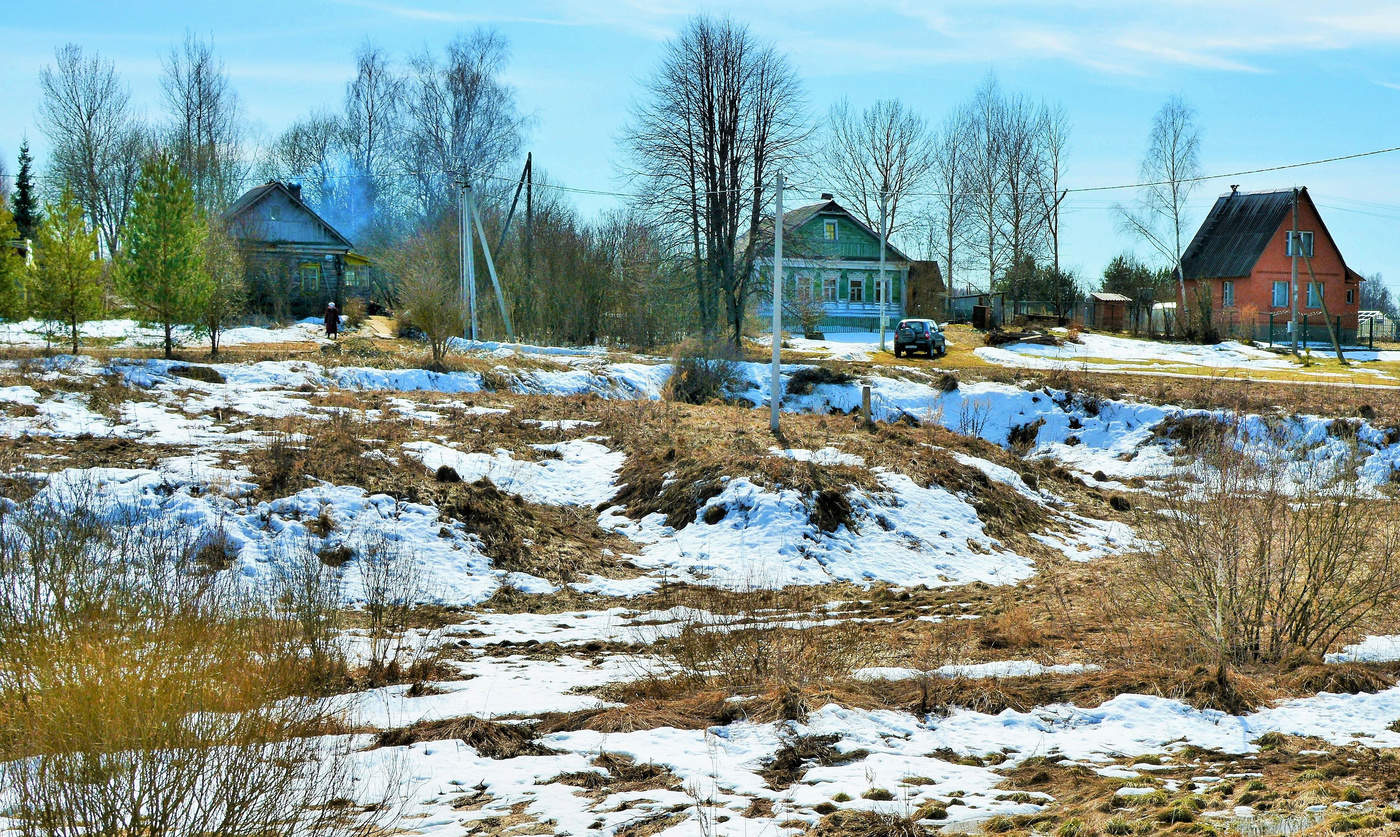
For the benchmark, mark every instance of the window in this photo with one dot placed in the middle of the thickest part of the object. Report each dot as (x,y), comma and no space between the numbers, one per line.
(829,230)
(350,280)
(1351,295)
(829,289)
(311,277)
(1227,294)
(1306,238)
(857,289)
(1280,295)
(882,289)
(1314,294)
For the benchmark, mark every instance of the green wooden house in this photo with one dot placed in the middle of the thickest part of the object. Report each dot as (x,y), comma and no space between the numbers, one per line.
(832,258)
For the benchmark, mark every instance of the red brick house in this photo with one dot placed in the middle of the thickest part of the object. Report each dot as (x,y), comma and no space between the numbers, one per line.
(1243,252)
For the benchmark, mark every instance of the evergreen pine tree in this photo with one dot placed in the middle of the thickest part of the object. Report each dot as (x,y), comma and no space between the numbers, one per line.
(11,270)
(26,202)
(162,272)
(66,288)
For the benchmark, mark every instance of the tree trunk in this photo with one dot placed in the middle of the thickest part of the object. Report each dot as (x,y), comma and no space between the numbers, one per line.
(169,341)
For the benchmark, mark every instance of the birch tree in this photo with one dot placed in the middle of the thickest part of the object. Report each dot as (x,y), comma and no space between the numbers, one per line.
(205,124)
(1170,169)
(949,205)
(877,157)
(97,144)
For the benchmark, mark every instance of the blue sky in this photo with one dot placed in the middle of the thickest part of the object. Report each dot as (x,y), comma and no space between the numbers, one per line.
(1272,83)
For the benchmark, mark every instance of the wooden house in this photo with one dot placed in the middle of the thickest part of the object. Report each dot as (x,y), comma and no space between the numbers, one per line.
(296,261)
(831,255)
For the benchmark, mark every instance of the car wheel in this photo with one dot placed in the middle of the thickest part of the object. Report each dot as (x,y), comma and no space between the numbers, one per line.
(896,351)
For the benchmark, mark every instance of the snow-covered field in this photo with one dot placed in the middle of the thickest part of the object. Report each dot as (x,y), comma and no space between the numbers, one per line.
(901,534)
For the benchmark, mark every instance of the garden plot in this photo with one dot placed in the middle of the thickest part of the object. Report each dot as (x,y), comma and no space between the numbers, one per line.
(1102,351)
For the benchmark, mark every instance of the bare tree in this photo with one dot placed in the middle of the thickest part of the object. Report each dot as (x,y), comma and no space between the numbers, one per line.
(309,152)
(460,116)
(373,106)
(97,144)
(985,151)
(205,131)
(723,113)
(429,294)
(949,206)
(1170,169)
(1054,140)
(1021,161)
(877,157)
(228,291)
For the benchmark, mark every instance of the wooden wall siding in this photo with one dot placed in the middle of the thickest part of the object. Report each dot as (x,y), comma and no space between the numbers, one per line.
(852,242)
(277,220)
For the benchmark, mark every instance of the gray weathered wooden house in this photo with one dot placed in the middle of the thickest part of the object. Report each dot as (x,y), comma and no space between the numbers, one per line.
(296,261)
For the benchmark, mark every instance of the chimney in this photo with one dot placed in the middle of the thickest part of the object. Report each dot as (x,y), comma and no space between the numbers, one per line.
(827,196)
(1234,187)
(295,189)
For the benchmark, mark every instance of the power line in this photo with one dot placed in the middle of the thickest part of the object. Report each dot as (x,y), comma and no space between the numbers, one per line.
(1078,190)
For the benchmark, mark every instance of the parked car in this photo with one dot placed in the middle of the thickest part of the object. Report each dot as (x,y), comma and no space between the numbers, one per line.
(919,336)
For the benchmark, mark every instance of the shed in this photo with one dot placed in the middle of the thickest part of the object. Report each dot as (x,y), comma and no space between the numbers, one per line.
(1108,311)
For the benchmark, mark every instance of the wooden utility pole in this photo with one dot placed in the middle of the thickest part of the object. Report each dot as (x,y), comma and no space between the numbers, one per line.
(775,395)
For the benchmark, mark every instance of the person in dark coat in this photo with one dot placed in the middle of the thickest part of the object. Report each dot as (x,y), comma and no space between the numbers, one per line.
(332,320)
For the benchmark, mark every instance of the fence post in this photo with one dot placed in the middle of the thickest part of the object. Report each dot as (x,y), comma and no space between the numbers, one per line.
(1271,329)
(865,404)
(1371,339)
(1305,331)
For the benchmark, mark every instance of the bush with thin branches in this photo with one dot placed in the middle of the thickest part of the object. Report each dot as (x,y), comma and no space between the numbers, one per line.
(141,693)
(1264,551)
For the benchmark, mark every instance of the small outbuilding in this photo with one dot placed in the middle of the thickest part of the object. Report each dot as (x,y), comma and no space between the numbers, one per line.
(1108,311)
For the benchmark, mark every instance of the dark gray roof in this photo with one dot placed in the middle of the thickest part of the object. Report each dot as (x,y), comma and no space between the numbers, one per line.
(1235,233)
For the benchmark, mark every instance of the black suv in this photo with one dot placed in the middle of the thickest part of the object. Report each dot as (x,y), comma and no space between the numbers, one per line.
(919,336)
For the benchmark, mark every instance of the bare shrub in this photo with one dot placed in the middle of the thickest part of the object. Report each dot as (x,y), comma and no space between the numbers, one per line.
(763,641)
(140,694)
(1263,552)
(702,372)
(393,583)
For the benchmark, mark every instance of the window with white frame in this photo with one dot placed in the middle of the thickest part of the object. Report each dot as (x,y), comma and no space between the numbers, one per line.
(1314,294)
(857,292)
(829,289)
(1227,293)
(1280,295)
(829,230)
(1305,240)
(882,289)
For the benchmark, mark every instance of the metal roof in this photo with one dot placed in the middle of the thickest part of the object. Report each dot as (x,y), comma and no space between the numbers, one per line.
(1235,233)
(1105,296)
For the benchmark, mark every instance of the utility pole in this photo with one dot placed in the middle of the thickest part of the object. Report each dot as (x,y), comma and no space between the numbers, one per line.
(774,387)
(464,235)
(1293,281)
(880,284)
(491,267)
